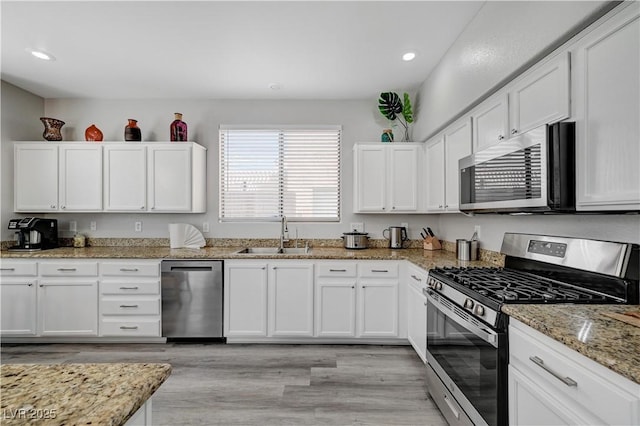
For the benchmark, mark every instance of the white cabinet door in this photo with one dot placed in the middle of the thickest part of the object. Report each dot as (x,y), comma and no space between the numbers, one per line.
(541,97)
(435,176)
(35,171)
(378,308)
(336,308)
(80,174)
(169,178)
(245,299)
(18,307)
(290,299)
(403,178)
(457,142)
(490,124)
(417,320)
(370,178)
(125,178)
(68,308)
(607,107)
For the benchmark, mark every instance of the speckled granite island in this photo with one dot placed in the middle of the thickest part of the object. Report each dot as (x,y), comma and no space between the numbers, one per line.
(583,328)
(77,394)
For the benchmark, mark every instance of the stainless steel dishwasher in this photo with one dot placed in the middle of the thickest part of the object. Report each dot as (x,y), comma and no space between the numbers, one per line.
(192,299)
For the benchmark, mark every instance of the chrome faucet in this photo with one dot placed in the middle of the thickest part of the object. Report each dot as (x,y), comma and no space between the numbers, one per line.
(283,231)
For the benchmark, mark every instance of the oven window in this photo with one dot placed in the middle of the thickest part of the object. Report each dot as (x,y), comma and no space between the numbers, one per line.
(469,361)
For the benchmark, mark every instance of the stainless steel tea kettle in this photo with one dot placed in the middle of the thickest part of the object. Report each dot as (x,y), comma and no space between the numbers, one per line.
(397,235)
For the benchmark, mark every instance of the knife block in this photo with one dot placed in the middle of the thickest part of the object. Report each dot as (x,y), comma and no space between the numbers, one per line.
(432,243)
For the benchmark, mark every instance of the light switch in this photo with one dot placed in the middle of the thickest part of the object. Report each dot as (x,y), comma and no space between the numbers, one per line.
(73,226)
(138,227)
(93,225)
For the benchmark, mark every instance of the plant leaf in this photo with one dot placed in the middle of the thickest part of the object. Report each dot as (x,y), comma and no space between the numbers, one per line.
(390,105)
(406,109)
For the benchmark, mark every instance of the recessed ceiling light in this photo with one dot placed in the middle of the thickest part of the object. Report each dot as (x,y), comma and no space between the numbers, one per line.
(275,86)
(40,54)
(408,56)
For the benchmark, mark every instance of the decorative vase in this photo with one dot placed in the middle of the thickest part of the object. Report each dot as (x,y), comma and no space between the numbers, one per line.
(387,135)
(93,134)
(132,132)
(52,128)
(178,129)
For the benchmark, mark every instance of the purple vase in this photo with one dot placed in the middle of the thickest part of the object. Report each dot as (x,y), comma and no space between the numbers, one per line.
(178,129)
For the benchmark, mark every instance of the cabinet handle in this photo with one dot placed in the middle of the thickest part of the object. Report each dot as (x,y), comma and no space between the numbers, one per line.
(128,306)
(566,380)
(129,288)
(416,278)
(63,207)
(440,206)
(30,285)
(67,269)
(425,303)
(337,270)
(53,206)
(383,208)
(275,267)
(263,268)
(455,412)
(142,208)
(8,269)
(514,131)
(353,286)
(129,269)
(379,270)
(393,208)
(446,206)
(500,137)
(41,285)
(126,327)
(153,208)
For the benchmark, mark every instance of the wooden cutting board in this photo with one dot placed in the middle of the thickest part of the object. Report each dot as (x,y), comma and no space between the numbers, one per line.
(630,317)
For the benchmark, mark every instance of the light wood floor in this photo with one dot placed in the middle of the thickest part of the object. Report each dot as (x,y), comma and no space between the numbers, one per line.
(268,384)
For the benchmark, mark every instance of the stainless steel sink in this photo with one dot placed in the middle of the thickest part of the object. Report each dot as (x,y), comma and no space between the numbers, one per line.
(273,250)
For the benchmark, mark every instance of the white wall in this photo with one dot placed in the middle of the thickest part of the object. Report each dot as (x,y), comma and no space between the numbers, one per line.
(21,112)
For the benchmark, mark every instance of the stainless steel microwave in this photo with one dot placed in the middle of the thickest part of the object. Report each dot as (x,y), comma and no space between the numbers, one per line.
(531,173)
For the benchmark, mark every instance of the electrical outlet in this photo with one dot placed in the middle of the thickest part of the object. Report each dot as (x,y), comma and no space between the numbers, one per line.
(92,225)
(138,227)
(405,225)
(476,230)
(205,227)
(73,226)
(356,226)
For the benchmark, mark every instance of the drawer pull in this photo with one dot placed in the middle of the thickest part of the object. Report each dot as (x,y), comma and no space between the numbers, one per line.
(379,270)
(7,269)
(540,363)
(416,278)
(128,269)
(67,269)
(455,412)
(337,270)
(127,327)
(129,288)
(128,306)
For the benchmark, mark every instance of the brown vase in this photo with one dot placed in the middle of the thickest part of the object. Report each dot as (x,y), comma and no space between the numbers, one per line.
(132,132)
(52,128)
(93,134)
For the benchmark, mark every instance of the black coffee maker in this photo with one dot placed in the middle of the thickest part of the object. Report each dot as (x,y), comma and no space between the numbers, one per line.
(34,233)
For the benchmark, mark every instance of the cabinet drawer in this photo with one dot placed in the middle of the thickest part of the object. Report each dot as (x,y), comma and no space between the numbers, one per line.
(130,269)
(10,269)
(546,362)
(119,327)
(130,306)
(378,270)
(336,269)
(89,269)
(130,287)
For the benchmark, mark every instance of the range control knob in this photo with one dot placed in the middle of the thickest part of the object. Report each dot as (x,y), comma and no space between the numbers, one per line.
(438,286)
(468,304)
(479,310)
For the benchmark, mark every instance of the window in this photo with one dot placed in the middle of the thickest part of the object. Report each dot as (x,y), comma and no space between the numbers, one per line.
(269,172)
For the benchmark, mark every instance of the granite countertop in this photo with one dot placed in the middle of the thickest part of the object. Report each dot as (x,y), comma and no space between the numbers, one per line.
(75,394)
(583,328)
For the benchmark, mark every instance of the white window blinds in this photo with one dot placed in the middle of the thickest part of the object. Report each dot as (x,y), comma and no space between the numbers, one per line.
(269,172)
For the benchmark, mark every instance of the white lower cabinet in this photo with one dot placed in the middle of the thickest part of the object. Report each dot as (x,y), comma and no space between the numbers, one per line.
(378,308)
(551,384)
(18,307)
(68,307)
(336,307)
(417,311)
(290,296)
(245,298)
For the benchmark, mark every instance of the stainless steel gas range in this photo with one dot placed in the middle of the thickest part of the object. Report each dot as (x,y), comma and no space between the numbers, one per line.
(467,344)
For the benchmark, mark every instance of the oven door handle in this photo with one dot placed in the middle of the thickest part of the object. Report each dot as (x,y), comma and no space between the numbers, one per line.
(489,336)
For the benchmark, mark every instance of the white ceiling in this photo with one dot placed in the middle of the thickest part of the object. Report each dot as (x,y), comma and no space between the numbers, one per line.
(226,49)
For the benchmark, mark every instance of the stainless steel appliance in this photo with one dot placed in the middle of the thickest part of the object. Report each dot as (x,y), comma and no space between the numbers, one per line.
(192,299)
(397,235)
(467,333)
(533,172)
(34,233)
(355,240)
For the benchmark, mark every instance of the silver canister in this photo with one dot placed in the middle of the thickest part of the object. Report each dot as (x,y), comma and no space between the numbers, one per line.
(466,249)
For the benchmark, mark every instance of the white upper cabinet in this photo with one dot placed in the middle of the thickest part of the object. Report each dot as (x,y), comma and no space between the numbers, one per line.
(80,174)
(540,97)
(606,107)
(35,171)
(125,177)
(435,175)
(490,122)
(387,178)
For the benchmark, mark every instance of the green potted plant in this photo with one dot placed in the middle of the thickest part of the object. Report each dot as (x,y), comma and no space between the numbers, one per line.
(393,108)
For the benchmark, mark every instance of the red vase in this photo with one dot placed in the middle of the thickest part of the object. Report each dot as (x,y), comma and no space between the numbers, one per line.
(93,134)
(132,132)
(178,129)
